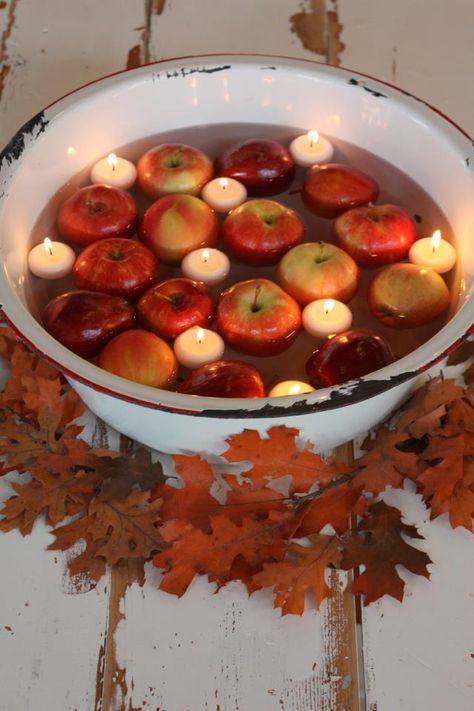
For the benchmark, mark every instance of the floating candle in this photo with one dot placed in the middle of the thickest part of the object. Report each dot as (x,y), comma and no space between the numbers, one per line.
(433,252)
(290,387)
(197,346)
(51,260)
(114,171)
(326,317)
(209,266)
(223,194)
(311,148)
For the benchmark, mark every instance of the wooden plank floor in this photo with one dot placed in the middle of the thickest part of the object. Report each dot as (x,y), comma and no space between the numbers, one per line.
(113,649)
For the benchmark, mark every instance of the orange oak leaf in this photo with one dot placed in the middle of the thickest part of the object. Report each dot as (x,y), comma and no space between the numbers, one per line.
(333,506)
(277,455)
(192,551)
(378,545)
(434,394)
(460,504)
(303,569)
(384,464)
(445,456)
(244,499)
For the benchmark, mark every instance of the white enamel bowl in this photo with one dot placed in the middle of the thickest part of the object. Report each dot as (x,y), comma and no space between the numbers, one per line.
(181,93)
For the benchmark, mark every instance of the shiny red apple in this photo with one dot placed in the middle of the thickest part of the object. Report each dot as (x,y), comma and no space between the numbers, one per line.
(332,188)
(175,305)
(173,168)
(375,234)
(120,267)
(264,167)
(257,317)
(348,356)
(407,295)
(318,270)
(84,321)
(259,232)
(224,378)
(140,356)
(177,224)
(96,212)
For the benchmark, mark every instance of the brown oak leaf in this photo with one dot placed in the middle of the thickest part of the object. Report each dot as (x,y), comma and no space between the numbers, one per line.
(444,457)
(120,475)
(460,504)
(434,394)
(384,464)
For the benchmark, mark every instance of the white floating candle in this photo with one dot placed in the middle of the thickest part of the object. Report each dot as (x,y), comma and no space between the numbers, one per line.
(114,171)
(433,252)
(311,148)
(210,266)
(197,346)
(290,387)
(51,260)
(223,194)
(326,317)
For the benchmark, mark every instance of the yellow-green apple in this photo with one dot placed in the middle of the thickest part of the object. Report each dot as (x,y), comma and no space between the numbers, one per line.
(224,378)
(264,167)
(259,232)
(407,295)
(120,267)
(140,356)
(348,356)
(375,234)
(175,305)
(173,168)
(96,212)
(332,188)
(84,321)
(177,224)
(257,317)
(318,270)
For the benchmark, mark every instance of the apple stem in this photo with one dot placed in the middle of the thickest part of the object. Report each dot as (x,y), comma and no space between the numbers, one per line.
(255,305)
(175,301)
(95,207)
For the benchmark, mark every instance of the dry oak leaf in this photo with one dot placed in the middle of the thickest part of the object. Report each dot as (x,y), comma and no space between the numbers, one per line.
(194,552)
(431,396)
(303,569)
(384,464)
(333,506)
(244,499)
(24,365)
(460,504)
(193,503)
(277,455)
(445,458)
(126,529)
(126,472)
(378,545)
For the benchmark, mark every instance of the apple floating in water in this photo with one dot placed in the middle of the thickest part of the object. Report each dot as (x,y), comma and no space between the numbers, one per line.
(224,378)
(261,231)
(264,167)
(407,295)
(348,356)
(375,234)
(173,168)
(175,305)
(84,321)
(257,317)
(333,188)
(96,212)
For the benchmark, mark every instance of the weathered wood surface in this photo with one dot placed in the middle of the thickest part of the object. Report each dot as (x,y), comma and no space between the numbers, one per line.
(111,649)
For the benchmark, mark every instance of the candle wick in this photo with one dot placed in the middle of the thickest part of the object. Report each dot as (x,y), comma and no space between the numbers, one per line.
(50,250)
(433,248)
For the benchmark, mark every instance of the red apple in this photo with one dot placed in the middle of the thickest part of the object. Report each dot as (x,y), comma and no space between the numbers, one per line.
(175,305)
(376,234)
(84,321)
(332,188)
(173,168)
(120,267)
(259,232)
(264,167)
(140,356)
(224,378)
(177,224)
(348,356)
(407,295)
(257,317)
(96,212)
(318,270)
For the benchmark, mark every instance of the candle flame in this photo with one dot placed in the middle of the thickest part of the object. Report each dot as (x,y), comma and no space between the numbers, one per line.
(329,305)
(312,137)
(200,335)
(48,245)
(224,183)
(294,389)
(112,161)
(436,240)
(205,255)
